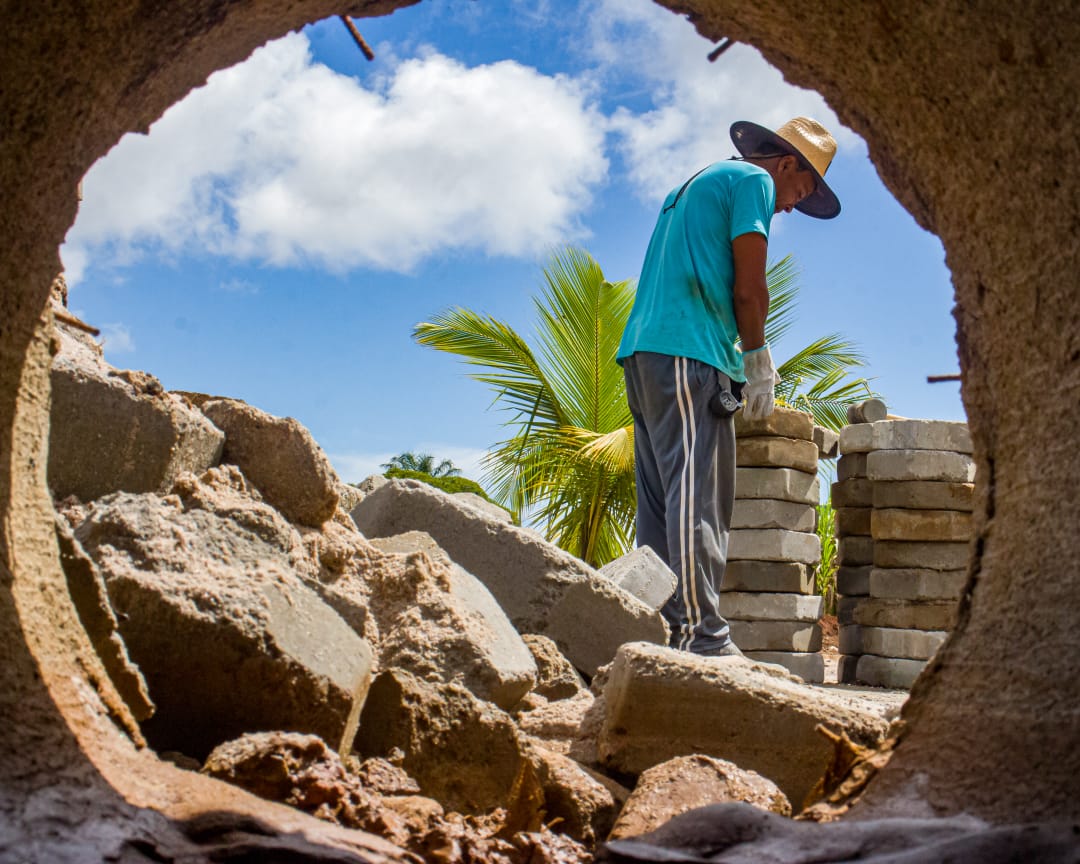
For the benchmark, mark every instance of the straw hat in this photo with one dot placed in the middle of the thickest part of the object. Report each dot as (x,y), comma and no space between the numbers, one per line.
(804,138)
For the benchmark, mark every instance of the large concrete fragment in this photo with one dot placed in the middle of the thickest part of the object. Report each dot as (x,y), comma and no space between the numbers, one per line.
(827,441)
(765,513)
(119,431)
(776,452)
(924,495)
(943,525)
(785,422)
(799,636)
(917,584)
(556,678)
(783,484)
(540,587)
(904,465)
(906,435)
(643,574)
(661,703)
(770,607)
(573,798)
(769,576)
(279,456)
(773,544)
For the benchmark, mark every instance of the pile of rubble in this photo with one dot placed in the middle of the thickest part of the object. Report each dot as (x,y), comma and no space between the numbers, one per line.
(395,658)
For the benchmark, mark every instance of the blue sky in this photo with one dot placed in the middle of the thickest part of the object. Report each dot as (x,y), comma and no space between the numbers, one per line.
(279,232)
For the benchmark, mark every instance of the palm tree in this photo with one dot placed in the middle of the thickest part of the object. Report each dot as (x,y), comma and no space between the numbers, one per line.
(424,463)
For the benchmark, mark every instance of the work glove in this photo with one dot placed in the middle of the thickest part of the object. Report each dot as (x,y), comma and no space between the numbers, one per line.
(761,381)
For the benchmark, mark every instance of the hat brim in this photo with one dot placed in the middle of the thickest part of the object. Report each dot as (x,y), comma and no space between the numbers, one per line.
(749,137)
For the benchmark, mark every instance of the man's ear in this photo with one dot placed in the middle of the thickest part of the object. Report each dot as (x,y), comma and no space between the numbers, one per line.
(788,164)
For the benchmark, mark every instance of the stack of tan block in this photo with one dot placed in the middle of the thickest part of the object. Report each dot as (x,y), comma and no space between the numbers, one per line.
(903,500)
(773,549)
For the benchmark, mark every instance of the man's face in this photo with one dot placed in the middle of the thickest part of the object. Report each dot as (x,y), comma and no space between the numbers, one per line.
(793,183)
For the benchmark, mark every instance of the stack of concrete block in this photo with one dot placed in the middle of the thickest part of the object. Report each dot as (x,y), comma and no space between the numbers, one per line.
(773,548)
(903,501)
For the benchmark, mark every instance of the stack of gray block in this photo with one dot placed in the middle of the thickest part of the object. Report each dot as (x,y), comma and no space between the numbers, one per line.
(767,592)
(903,500)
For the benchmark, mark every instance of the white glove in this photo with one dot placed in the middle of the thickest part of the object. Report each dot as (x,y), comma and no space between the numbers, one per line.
(761,381)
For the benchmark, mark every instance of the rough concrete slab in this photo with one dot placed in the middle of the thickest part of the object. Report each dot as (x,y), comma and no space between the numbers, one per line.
(770,576)
(774,544)
(850,639)
(893,672)
(556,678)
(937,465)
(776,452)
(767,513)
(801,636)
(909,644)
(856,492)
(853,521)
(660,704)
(929,556)
(913,584)
(643,574)
(771,607)
(853,581)
(809,667)
(902,614)
(852,466)
(924,495)
(782,484)
(540,587)
(906,435)
(784,422)
(855,551)
(827,441)
(484,506)
(918,525)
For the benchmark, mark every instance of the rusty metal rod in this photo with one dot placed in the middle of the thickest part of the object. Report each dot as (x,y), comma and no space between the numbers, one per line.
(720,49)
(359,39)
(937,379)
(75,322)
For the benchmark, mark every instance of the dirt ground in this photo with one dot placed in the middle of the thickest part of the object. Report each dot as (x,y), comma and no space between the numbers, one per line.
(830,647)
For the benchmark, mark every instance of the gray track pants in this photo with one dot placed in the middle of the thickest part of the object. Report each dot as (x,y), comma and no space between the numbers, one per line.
(685,471)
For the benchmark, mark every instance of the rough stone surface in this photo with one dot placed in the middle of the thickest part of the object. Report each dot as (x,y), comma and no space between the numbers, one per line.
(211,569)
(906,435)
(573,799)
(855,551)
(853,521)
(894,672)
(776,635)
(783,484)
(280,458)
(765,513)
(942,525)
(643,574)
(769,576)
(856,492)
(773,544)
(910,644)
(903,465)
(853,581)
(541,588)
(903,614)
(560,723)
(556,677)
(660,703)
(929,556)
(912,584)
(771,607)
(119,431)
(827,441)
(924,495)
(488,508)
(852,467)
(688,782)
(808,666)
(776,452)
(784,422)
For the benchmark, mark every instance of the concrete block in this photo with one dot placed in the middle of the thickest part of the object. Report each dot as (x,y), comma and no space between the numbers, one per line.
(660,704)
(776,635)
(827,441)
(910,644)
(850,639)
(855,551)
(900,614)
(867,411)
(846,669)
(906,435)
(782,484)
(773,544)
(856,492)
(767,513)
(928,556)
(853,581)
(776,452)
(917,584)
(936,465)
(768,576)
(809,667)
(784,422)
(851,466)
(771,607)
(643,574)
(924,495)
(892,672)
(942,525)
(853,521)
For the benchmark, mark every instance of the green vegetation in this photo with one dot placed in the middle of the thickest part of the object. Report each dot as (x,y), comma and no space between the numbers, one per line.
(422,462)
(446,484)
(825,573)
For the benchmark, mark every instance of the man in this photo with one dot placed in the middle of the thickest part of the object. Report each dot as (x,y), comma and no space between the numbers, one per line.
(702,289)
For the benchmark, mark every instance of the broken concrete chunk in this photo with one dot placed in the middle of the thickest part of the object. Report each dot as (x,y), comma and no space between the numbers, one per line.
(895,673)
(783,484)
(643,574)
(827,441)
(947,525)
(770,576)
(556,677)
(540,587)
(770,607)
(774,544)
(853,521)
(766,513)
(801,636)
(910,644)
(280,458)
(906,435)
(924,495)
(928,556)
(856,492)
(661,703)
(562,724)
(808,666)
(776,452)
(583,807)
(852,581)
(784,422)
(488,508)
(938,465)
(917,584)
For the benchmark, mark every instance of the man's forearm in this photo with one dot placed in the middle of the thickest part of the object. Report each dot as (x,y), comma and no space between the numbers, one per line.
(751,310)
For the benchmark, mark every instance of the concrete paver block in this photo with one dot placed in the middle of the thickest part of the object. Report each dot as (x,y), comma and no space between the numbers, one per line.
(924,495)
(855,551)
(853,581)
(856,492)
(910,644)
(942,525)
(917,584)
(774,544)
(809,667)
(771,607)
(767,513)
(800,636)
(906,435)
(776,452)
(853,521)
(782,484)
(929,556)
(846,669)
(850,639)
(893,672)
(784,422)
(769,576)
(902,614)
(867,411)
(851,466)
(827,441)
(643,574)
(939,465)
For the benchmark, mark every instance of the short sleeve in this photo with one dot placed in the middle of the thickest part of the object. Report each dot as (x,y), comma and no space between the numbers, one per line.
(752,205)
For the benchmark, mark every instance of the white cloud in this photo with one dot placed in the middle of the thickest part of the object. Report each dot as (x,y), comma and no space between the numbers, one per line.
(281,160)
(116,338)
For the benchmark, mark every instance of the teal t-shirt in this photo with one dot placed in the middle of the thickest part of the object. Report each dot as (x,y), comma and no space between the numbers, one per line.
(684,305)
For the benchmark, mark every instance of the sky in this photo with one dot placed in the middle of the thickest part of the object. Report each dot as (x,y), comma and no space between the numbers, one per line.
(279,232)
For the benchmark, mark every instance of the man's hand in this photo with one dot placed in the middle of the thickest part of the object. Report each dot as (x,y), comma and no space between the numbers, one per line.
(761,381)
